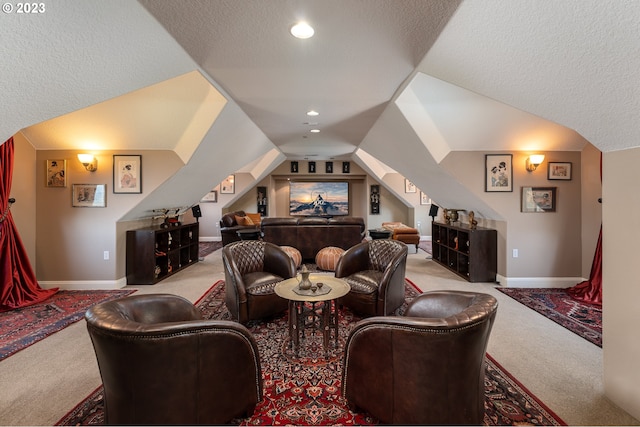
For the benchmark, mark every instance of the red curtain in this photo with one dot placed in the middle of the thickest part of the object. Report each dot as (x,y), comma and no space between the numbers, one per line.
(590,291)
(18,286)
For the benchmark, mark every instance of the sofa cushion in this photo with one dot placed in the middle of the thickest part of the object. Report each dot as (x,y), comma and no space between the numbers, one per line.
(243,220)
(255,217)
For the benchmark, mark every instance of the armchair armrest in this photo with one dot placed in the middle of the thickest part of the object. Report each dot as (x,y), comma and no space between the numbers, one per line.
(278,262)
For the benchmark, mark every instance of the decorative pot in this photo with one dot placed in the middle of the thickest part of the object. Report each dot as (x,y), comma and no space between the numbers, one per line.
(305,283)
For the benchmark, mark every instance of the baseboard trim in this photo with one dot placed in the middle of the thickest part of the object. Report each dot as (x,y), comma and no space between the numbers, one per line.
(210,239)
(84,285)
(538,282)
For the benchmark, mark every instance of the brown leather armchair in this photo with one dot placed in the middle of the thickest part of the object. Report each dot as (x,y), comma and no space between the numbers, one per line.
(251,269)
(375,271)
(426,367)
(161,363)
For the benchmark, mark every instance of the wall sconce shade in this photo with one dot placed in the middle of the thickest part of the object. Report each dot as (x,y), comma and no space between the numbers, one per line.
(89,162)
(533,161)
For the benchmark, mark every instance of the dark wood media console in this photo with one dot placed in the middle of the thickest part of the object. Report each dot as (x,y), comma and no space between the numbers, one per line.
(470,253)
(155,253)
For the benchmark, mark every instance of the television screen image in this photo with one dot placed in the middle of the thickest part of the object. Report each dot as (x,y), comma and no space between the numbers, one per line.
(318,198)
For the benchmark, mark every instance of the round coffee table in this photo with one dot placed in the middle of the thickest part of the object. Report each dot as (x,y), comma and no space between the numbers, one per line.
(324,316)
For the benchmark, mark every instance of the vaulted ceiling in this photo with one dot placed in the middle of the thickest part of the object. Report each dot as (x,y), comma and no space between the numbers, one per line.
(479,75)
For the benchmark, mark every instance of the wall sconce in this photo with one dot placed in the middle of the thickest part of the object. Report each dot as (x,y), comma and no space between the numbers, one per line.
(89,162)
(533,161)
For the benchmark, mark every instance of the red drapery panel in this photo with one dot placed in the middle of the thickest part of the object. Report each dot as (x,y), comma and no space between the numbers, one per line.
(590,291)
(18,286)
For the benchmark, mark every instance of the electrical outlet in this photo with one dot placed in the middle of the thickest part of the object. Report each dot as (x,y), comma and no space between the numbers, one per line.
(515,253)
(106,255)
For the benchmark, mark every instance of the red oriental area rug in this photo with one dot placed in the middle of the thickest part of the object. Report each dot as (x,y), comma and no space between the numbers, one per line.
(305,390)
(557,305)
(23,327)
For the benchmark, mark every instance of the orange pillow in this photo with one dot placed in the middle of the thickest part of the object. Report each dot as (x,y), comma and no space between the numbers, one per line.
(255,217)
(243,220)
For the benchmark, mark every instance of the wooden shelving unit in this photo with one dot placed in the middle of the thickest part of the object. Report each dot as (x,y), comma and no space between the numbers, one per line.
(470,253)
(155,253)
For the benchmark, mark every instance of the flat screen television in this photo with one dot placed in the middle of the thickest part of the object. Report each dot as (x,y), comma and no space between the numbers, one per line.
(328,198)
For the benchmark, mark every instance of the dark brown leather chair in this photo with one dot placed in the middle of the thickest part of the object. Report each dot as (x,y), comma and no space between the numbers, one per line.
(161,363)
(375,271)
(252,268)
(426,367)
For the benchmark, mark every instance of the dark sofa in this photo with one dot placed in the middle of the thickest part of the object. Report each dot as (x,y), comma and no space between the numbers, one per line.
(229,227)
(310,234)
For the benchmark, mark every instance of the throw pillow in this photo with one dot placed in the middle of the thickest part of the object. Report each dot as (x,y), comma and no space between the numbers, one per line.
(255,217)
(243,220)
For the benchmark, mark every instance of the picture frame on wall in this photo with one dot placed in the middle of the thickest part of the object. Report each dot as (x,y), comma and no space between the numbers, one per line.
(127,173)
(210,197)
(375,200)
(424,199)
(294,167)
(228,185)
(559,171)
(539,199)
(346,167)
(56,173)
(89,195)
(328,167)
(312,167)
(409,186)
(498,173)
(262,201)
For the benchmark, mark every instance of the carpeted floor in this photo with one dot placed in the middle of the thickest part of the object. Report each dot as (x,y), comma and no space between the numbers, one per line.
(555,304)
(305,390)
(23,327)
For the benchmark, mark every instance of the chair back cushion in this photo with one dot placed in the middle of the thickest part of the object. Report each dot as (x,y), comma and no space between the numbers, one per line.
(382,252)
(248,256)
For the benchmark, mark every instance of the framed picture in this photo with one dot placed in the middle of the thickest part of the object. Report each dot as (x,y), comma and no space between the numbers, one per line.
(409,187)
(375,199)
(294,167)
(56,173)
(89,195)
(312,167)
(498,172)
(328,167)
(210,197)
(262,201)
(539,199)
(559,171)
(127,174)
(228,186)
(346,167)
(424,199)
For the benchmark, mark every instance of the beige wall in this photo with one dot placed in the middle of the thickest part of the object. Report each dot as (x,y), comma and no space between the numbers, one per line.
(549,245)
(620,314)
(72,240)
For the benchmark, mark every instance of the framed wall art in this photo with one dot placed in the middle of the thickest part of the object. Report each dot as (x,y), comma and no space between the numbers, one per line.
(346,167)
(312,167)
(228,185)
(328,167)
(375,200)
(210,197)
(89,195)
(424,199)
(294,167)
(539,199)
(262,201)
(409,187)
(498,173)
(559,171)
(56,173)
(127,173)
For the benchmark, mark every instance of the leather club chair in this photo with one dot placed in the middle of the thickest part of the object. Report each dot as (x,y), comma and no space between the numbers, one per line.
(375,271)
(161,363)
(252,268)
(426,367)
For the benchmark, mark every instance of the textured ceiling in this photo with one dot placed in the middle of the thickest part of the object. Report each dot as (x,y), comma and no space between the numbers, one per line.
(360,55)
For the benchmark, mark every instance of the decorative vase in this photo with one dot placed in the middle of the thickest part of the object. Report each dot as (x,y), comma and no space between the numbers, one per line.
(305,283)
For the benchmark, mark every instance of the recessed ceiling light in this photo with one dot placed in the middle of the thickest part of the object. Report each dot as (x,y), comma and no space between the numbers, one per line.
(302,30)
(315,131)
(312,113)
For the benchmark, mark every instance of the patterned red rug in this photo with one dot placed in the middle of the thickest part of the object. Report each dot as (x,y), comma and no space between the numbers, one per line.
(206,248)
(23,327)
(306,390)
(557,305)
